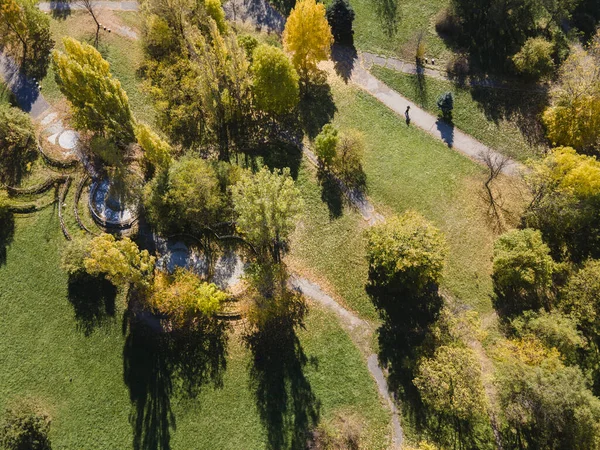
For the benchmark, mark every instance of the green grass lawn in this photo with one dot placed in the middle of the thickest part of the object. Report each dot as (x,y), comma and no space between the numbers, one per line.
(124,55)
(379,30)
(406,169)
(502,119)
(330,249)
(88,381)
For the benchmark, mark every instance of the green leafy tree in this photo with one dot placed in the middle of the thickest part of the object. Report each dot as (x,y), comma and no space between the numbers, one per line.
(307,37)
(580,298)
(408,249)
(573,118)
(183,297)
(248,43)
(451,384)
(545,404)
(216,13)
(187,198)
(522,271)
(340,16)
(18,144)
(534,60)
(24,26)
(275,81)
(98,101)
(554,329)
(156,150)
(120,261)
(268,205)
(326,144)
(25,426)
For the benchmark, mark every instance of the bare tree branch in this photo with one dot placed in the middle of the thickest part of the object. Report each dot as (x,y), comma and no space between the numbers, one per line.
(495,163)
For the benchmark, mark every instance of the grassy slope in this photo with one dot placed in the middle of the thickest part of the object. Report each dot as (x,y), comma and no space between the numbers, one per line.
(501,132)
(414,17)
(406,169)
(332,249)
(81,378)
(124,55)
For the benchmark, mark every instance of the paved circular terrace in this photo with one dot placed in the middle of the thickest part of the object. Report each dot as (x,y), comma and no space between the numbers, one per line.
(107,208)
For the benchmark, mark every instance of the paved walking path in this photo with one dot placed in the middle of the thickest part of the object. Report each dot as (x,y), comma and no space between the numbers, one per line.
(360,332)
(439,129)
(368,60)
(130,5)
(26,92)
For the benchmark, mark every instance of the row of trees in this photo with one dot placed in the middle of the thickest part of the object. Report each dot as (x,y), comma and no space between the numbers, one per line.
(545,279)
(216,90)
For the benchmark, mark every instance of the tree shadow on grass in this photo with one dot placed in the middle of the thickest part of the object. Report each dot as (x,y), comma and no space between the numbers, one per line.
(331,193)
(316,106)
(524,108)
(278,155)
(93,299)
(406,321)
(7,232)
(344,58)
(159,365)
(287,406)
(388,13)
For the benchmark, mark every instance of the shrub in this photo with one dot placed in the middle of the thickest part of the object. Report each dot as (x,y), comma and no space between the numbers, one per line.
(326,144)
(73,254)
(522,271)
(25,427)
(18,144)
(534,60)
(446,103)
(340,16)
(348,160)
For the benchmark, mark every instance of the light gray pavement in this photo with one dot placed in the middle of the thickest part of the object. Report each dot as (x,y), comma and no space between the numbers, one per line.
(26,92)
(129,5)
(259,12)
(452,136)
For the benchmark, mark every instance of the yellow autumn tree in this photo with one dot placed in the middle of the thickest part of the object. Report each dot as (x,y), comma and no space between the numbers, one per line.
(156,150)
(183,297)
(307,36)
(120,261)
(573,119)
(99,102)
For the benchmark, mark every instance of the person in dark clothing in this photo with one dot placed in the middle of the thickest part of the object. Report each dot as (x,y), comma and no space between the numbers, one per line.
(407,115)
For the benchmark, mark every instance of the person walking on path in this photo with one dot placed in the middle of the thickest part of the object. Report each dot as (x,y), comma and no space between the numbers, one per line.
(407,115)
